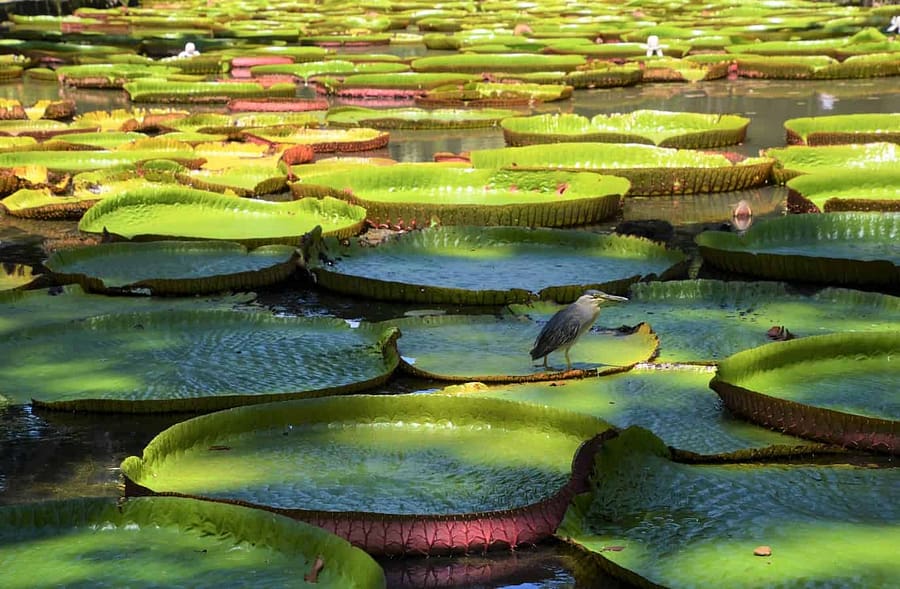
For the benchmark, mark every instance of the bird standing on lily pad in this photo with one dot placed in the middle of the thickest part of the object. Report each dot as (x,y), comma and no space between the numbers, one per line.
(569,324)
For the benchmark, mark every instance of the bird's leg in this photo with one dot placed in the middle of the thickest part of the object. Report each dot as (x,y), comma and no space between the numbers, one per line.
(568,362)
(545,361)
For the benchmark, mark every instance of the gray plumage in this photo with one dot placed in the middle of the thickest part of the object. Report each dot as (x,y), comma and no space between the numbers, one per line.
(569,324)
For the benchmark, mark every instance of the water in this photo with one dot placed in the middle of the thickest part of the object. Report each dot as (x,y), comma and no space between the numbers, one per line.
(51,455)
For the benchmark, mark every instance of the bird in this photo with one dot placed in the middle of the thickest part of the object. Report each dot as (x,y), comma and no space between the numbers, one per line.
(569,324)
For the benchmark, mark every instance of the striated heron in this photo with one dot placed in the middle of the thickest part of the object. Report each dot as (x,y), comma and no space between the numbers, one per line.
(569,324)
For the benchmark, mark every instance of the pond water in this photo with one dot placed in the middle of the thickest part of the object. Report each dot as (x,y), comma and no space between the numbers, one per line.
(47,455)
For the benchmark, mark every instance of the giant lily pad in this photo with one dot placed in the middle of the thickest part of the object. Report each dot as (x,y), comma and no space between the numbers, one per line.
(817,67)
(415,118)
(836,388)
(140,362)
(676,404)
(703,321)
(424,193)
(857,128)
(380,470)
(357,139)
(492,265)
(845,248)
(241,179)
(659,523)
(171,211)
(161,90)
(473,63)
(651,170)
(845,190)
(865,157)
(82,161)
(70,303)
(153,541)
(173,267)
(654,127)
(490,349)
(395,85)
(16,276)
(43,204)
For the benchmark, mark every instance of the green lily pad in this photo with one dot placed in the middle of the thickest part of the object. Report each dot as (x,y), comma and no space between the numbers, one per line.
(415,432)
(844,248)
(421,194)
(836,388)
(307,70)
(171,211)
(15,276)
(661,523)
(391,464)
(845,190)
(654,127)
(817,67)
(473,63)
(243,180)
(43,204)
(357,139)
(142,362)
(70,303)
(494,94)
(800,159)
(415,118)
(838,129)
(651,170)
(703,321)
(163,90)
(109,75)
(84,161)
(402,83)
(491,349)
(677,405)
(491,265)
(173,267)
(153,541)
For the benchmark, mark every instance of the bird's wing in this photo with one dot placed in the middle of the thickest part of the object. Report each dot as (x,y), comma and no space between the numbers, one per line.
(557,332)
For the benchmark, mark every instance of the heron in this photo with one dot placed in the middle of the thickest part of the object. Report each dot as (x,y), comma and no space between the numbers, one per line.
(569,324)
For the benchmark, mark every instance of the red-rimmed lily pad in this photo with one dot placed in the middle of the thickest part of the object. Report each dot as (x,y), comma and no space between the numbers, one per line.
(838,388)
(151,362)
(838,129)
(490,265)
(651,170)
(653,127)
(845,190)
(421,194)
(393,474)
(843,248)
(675,403)
(173,267)
(656,522)
(172,212)
(153,541)
(493,349)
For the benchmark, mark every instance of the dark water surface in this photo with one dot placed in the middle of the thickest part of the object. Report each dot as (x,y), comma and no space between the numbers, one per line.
(51,455)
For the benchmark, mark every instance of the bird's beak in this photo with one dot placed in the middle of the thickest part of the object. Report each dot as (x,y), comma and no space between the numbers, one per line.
(602,296)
